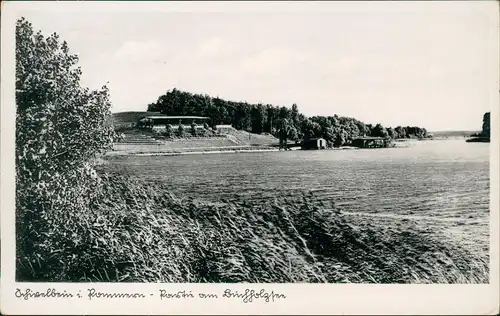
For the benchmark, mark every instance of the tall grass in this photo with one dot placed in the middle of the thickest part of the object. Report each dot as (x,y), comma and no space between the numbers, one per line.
(138,232)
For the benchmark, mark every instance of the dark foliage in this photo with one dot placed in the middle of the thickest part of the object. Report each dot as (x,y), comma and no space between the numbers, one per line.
(486,125)
(280,121)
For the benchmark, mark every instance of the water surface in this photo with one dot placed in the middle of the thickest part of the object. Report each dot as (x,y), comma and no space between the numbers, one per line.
(442,179)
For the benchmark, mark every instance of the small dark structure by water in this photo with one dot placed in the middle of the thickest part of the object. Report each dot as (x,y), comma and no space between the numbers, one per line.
(313,143)
(372,142)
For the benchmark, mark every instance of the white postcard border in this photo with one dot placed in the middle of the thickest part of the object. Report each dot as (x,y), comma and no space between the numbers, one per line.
(300,298)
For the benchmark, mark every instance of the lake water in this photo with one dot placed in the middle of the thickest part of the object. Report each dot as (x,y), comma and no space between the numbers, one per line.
(442,179)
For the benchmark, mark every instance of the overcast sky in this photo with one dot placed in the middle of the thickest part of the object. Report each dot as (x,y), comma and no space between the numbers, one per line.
(392,63)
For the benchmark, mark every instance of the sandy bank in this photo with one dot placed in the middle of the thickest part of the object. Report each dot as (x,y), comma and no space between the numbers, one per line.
(178,153)
(227,150)
(160,150)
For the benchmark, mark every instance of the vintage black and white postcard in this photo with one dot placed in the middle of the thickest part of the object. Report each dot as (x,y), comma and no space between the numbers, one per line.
(250,157)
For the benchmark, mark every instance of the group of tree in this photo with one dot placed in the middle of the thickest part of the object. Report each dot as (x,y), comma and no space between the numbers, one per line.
(486,125)
(52,108)
(281,121)
(485,130)
(61,127)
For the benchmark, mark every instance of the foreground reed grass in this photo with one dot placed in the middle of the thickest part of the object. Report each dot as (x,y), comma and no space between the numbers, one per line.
(133,231)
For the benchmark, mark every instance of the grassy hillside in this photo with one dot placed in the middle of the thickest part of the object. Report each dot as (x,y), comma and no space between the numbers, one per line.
(176,146)
(251,139)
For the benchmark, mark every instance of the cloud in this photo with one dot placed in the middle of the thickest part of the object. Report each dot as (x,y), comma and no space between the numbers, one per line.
(133,51)
(218,48)
(213,46)
(272,60)
(345,63)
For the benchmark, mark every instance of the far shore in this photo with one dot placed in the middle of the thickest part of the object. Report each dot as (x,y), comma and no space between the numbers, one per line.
(154,146)
(156,150)
(225,150)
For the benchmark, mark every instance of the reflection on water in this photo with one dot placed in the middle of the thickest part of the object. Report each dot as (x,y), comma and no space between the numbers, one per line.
(439,178)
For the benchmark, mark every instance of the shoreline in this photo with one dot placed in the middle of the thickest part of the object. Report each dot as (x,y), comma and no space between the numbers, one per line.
(228,151)
(234,150)
(399,143)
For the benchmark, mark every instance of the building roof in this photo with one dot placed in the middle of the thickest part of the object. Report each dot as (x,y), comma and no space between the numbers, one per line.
(154,117)
(370,138)
(313,139)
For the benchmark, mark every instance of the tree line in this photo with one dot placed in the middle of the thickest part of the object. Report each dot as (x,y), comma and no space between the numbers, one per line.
(280,121)
(485,130)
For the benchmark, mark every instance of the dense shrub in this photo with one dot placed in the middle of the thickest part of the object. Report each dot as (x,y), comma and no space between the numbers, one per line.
(60,128)
(202,133)
(169,131)
(193,129)
(180,131)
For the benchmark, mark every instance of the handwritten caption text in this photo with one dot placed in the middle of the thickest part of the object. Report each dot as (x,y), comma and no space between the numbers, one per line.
(246,296)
